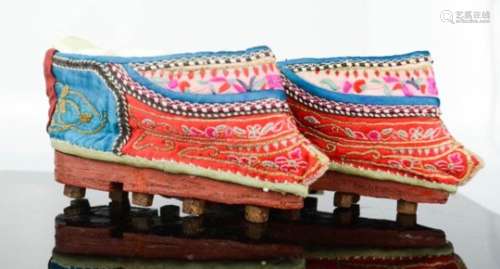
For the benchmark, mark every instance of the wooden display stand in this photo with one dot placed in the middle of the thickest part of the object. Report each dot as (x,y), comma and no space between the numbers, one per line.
(77,174)
(349,188)
(320,238)
(121,231)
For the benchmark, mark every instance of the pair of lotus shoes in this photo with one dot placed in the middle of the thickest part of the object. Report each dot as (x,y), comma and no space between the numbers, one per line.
(237,127)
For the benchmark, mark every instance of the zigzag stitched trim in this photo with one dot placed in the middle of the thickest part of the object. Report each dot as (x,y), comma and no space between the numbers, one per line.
(122,83)
(308,67)
(356,110)
(205,60)
(213,110)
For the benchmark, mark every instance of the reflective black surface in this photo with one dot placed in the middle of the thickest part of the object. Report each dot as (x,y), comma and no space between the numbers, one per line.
(90,235)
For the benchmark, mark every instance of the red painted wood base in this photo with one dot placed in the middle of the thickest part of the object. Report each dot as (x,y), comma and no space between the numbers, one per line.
(99,175)
(98,241)
(127,232)
(335,181)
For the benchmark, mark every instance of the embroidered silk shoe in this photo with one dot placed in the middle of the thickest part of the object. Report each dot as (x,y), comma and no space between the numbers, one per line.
(378,118)
(209,126)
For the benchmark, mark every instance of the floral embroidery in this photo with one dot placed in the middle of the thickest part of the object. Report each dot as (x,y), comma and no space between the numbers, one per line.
(227,131)
(418,148)
(244,160)
(432,86)
(374,135)
(359,85)
(311,119)
(266,147)
(224,80)
(455,164)
(419,81)
(389,141)
(274,81)
(413,134)
(403,163)
(347,87)
(329,84)
(292,163)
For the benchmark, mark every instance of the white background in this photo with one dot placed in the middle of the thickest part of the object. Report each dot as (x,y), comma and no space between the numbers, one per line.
(464,55)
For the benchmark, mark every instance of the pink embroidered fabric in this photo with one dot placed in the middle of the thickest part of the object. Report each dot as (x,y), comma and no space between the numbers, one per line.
(207,76)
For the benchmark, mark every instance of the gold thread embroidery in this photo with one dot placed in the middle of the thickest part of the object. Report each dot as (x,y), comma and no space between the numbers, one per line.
(215,152)
(228,142)
(60,125)
(168,144)
(387,146)
(419,171)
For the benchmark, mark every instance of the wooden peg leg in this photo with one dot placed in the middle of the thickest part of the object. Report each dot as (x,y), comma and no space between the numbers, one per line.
(344,200)
(192,225)
(193,207)
(142,199)
(256,214)
(78,207)
(405,207)
(255,231)
(344,216)
(169,213)
(74,192)
(405,220)
(116,194)
(355,198)
(120,203)
(310,204)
